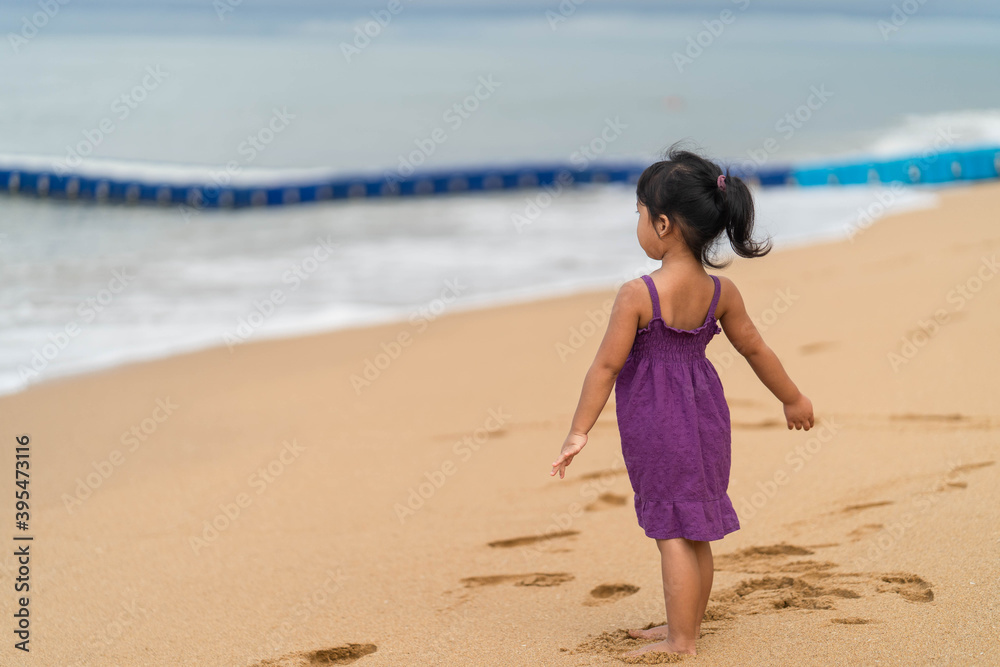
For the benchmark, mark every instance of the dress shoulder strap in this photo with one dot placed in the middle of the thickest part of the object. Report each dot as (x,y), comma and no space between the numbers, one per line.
(653,295)
(715,298)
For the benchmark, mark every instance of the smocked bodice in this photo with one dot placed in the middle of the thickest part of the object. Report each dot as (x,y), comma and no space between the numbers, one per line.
(657,340)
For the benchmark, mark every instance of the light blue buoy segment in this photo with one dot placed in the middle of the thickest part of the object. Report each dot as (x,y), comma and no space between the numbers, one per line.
(929,168)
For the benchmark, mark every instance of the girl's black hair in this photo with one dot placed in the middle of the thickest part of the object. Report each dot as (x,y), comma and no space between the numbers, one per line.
(685,188)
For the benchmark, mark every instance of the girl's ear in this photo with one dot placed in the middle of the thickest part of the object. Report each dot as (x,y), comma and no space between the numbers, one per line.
(663,226)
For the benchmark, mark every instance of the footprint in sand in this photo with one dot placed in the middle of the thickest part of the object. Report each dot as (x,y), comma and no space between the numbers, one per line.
(909,416)
(866,506)
(812,348)
(804,584)
(762,424)
(535,579)
(909,586)
(616,643)
(532,539)
(529,579)
(865,530)
(607,501)
(339,655)
(604,474)
(816,590)
(608,593)
(457,437)
(754,596)
(950,483)
(972,466)
(769,559)
(782,549)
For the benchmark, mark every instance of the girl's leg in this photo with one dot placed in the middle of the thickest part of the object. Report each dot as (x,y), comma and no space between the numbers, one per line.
(682,592)
(706,566)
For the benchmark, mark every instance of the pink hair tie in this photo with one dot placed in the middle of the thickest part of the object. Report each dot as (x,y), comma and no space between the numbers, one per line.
(721,182)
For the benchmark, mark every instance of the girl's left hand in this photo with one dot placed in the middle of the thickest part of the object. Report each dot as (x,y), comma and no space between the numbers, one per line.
(574,443)
(799,413)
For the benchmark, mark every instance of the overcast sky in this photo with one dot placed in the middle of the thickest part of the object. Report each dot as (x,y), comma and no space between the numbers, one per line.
(875,7)
(868,7)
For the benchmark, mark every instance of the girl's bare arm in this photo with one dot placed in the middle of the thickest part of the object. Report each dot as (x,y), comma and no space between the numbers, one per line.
(742,333)
(600,379)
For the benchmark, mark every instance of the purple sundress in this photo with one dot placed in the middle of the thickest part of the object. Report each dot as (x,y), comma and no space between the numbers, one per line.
(675,430)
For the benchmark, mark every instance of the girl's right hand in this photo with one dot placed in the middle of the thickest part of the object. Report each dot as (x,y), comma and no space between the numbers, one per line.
(571,447)
(799,413)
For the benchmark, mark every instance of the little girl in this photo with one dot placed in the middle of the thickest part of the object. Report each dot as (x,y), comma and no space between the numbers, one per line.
(672,413)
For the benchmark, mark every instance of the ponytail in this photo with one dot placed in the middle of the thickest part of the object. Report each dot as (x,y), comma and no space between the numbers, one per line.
(738,213)
(704,203)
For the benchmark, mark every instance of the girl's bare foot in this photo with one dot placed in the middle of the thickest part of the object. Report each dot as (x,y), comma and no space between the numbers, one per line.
(658,632)
(662,647)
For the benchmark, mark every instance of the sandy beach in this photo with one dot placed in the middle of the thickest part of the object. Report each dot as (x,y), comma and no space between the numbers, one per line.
(381,495)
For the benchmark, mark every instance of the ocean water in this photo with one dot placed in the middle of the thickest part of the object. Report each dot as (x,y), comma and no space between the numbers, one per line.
(85,287)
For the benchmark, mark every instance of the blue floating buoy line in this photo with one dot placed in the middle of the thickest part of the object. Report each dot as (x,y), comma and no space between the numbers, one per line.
(972,164)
